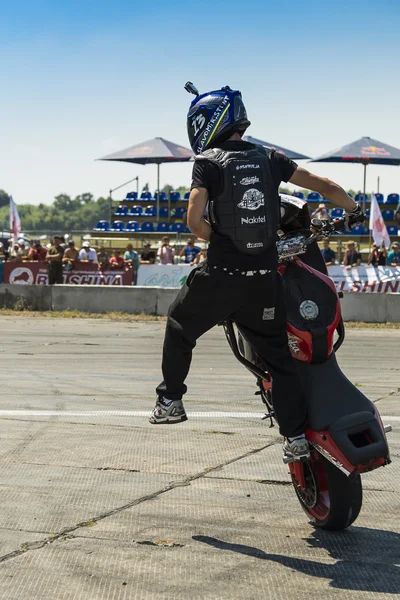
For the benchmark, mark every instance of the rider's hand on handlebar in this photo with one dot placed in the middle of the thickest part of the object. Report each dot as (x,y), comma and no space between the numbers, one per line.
(352,217)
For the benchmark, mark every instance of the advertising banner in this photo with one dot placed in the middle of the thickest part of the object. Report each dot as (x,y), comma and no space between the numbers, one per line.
(163,275)
(366,279)
(83,274)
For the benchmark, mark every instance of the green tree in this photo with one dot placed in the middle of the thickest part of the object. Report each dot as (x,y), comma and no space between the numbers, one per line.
(4,198)
(167,189)
(145,188)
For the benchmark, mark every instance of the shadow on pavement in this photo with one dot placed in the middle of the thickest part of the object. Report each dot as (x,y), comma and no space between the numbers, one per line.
(367,559)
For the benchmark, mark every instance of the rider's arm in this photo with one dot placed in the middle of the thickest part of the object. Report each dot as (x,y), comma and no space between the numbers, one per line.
(327,188)
(197,205)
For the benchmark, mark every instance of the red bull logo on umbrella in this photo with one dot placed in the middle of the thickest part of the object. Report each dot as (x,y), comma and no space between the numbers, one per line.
(141,150)
(374,151)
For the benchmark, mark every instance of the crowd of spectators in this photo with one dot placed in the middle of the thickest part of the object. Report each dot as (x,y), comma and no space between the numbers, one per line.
(62,255)
(378,257)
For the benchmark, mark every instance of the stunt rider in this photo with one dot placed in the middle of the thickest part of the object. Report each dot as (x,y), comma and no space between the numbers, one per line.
(239,181)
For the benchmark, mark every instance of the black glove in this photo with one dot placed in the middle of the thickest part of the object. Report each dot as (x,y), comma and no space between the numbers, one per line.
(352,217)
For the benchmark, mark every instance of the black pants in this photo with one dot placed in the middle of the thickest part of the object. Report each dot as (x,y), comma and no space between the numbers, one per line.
(256,304)
(55,273)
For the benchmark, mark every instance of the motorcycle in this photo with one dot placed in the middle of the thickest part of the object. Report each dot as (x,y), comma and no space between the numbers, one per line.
(345,432)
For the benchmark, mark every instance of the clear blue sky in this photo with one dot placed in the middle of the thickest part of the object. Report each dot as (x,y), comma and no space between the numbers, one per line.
(84,79)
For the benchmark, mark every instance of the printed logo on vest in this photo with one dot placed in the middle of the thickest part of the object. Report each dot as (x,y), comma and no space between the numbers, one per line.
(247,166)
(269,314)
(252,220)
(252,200)
(249,180)
(255,245)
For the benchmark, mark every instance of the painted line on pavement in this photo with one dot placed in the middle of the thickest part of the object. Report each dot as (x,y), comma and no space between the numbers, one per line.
(139,413)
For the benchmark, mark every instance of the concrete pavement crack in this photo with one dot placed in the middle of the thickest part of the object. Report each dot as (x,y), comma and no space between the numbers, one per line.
(67,531)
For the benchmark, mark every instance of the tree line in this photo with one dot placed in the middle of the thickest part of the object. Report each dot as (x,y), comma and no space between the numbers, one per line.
(65,213)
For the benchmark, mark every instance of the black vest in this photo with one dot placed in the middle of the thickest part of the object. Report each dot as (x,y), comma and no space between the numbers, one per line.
(247,209)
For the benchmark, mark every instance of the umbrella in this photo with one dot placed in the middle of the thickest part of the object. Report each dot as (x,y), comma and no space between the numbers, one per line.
(288,153)
(155,151)
(365,151)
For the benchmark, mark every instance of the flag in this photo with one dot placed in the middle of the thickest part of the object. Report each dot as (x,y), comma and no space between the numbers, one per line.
(377,225)
(15,222)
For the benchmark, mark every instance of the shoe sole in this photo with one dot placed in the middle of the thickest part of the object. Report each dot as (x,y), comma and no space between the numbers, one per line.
(168,421)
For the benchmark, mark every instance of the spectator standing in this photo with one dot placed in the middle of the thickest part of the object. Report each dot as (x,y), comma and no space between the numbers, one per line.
(393,258)
(103,258)
(131,258)
(54,258)
(116,261)
(37,252)
(14,254)
(165,252)
(321,212)
(148,256)
(88,254)
(2,253)
(70,256)
(328,254)
(22,249)
(190,251)
(352,257)
(377,257)
(200,257)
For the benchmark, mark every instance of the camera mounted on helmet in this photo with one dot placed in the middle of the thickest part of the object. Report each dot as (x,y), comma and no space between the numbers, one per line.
(214,117)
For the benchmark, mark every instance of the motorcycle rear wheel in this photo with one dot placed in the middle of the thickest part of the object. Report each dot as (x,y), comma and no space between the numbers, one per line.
(331,500)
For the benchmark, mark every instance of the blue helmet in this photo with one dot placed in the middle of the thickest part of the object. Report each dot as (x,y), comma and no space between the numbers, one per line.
(214,117)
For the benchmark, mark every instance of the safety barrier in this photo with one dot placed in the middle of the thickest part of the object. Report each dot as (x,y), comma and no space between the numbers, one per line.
(367,307)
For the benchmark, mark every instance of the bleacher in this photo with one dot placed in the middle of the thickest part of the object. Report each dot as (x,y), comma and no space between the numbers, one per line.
(138,215)
(387,206)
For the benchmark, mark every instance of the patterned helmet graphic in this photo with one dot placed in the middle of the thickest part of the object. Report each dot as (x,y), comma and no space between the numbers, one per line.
(213,115)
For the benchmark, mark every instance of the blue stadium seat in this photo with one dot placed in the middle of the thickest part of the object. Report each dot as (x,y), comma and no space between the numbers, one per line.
(121,211)
(177,227)
(367,213)
(163,226)
(393,198)
(393,230)
(163,196)
(360,198)
(174,196)
(102,226)
(336,212)
(358,230)
(313,197)
(164,212)
(388,214)
(147,226)
(180,211)
(132,226)
(150,211)
(186,196)
(380,199)
(298,195)
(136,210)
(131,196)
(146,196)
(118,226)
(187,230)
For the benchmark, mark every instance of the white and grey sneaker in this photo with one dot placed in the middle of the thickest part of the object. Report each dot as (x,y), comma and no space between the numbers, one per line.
(168,412)
(296,450)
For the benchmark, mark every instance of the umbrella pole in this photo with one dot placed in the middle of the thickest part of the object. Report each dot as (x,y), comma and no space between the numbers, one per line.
(158,192)
(365,185)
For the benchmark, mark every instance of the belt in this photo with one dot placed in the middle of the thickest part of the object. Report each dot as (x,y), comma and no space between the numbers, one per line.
(253,273)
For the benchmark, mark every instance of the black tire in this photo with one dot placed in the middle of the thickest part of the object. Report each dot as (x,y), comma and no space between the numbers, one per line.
(331,500)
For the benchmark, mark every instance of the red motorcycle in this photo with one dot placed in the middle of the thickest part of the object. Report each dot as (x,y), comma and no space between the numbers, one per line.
(345,432)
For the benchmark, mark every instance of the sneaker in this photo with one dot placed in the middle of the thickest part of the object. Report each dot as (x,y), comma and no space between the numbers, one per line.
(296,450)
(173,412)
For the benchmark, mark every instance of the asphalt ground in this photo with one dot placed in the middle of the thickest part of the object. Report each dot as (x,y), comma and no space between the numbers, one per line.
(97,504)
